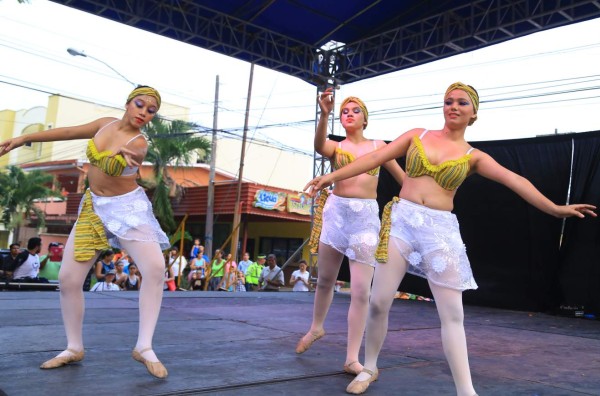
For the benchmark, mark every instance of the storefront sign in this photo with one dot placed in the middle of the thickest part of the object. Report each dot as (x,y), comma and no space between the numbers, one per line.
(299,203)
(270,200)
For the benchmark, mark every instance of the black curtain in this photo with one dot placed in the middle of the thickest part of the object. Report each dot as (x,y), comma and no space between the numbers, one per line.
(578,283)
(514,248)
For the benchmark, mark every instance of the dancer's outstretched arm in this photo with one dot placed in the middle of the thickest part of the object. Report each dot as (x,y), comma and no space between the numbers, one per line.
(487,167)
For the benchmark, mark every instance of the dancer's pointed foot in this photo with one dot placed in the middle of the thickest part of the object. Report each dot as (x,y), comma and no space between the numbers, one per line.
(357,387)
(308,339)
(65,357)
(353,368)
(155,368)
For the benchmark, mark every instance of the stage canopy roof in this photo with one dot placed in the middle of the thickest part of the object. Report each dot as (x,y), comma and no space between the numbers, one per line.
(373,37)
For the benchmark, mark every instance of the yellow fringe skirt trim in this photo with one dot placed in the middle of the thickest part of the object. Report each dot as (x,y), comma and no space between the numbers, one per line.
(315,233)
(381,254)
(89,231)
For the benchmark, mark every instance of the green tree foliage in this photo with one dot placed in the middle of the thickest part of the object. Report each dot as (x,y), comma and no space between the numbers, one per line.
(170,144)
(19,192)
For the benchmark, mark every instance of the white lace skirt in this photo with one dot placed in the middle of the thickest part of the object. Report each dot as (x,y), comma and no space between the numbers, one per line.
(351,226)
(129,217)
(430,241)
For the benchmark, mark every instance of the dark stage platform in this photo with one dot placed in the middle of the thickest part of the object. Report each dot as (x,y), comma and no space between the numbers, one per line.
(243,344)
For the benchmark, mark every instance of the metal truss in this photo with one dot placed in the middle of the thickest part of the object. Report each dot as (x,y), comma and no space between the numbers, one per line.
(462,28)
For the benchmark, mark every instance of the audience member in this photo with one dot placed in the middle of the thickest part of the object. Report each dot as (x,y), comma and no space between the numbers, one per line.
(27,263)
(244,263)
(133,281)
(197,267)
(217,268)
(300,278)
(253,273)
(50,263)
(104,264)
(230,265)
(271,278)
(178,263)
(107,284)
(240,283)
(228,281)
(196,282)
(125,258)
(120,275)
(169,279)
(9,261)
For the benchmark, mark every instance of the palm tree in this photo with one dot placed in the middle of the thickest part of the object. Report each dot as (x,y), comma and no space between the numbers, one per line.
(170,143)
(19,192)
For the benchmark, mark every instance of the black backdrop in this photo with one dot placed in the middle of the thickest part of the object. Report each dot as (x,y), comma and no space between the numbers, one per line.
(515,250)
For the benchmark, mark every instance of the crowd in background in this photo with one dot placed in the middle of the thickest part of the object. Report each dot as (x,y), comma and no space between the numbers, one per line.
(116,270)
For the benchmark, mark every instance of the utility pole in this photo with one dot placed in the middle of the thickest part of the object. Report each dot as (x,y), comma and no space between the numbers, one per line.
(236,214)
(208,230)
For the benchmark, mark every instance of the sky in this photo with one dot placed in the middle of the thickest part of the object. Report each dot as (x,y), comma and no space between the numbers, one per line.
(544,83)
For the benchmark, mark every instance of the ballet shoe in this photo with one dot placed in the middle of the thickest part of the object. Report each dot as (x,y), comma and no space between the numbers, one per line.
(60,361)
(348,368)
(357,387)
(155,368)
(312,337)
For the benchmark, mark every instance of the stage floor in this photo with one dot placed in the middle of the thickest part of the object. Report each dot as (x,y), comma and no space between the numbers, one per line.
(243,344)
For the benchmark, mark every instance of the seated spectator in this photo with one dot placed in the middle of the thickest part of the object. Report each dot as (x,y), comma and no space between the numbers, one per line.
(107,284)
(9,261)
(195,282)
(120,275)
(50,263)
(27,263)
(300,278)
(133,281)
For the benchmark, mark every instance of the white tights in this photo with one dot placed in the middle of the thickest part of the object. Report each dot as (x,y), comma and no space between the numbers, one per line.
(386,280)
(72,274)
(330,261)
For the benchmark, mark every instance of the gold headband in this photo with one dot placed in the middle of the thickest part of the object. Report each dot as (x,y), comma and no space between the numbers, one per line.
(360,104)
(144,90)
(469,90)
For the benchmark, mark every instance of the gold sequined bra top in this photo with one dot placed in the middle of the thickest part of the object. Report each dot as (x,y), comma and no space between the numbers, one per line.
(343,158)
(449,174)
(106,162)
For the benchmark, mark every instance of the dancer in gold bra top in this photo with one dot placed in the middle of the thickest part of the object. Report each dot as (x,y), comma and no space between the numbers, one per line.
(421,236)
(346,223)
(114,212)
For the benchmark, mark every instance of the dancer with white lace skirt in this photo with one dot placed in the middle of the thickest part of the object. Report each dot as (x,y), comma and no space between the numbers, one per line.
(346,224)
(114,212)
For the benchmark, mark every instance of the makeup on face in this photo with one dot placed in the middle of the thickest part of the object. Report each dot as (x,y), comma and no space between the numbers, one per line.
(140,104)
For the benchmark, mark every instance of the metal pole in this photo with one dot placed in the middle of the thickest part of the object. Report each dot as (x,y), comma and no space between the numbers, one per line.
(208,230)
(236,214)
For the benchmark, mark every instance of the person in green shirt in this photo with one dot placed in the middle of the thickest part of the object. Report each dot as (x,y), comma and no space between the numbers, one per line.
(217,268)
(50,263)
(253,273)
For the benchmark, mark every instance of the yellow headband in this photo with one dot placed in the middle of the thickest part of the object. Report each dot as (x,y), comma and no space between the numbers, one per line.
(469,90)
(360,104)
(144,90)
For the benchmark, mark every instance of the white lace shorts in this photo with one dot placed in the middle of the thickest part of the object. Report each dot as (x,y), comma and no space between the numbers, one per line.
(129,217)
(430,241)
(351,226)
